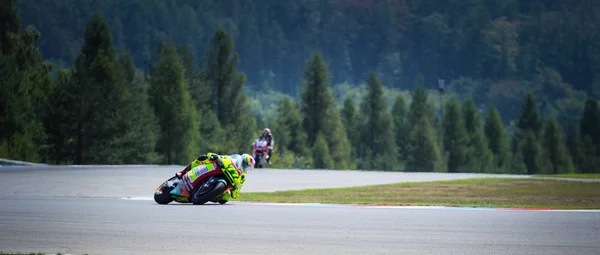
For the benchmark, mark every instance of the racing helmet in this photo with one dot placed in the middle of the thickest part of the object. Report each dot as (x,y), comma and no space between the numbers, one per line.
(247,163)
(266,131)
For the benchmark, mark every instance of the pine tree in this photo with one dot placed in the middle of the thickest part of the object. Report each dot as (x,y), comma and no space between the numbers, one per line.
(241,135)
(590,136)
(105,102)
(419,107)
(139,123)
(211,132)
(591,162)
(532,154)
(557,152)
(57,120)
(498,141)
(455,139)
(10,20)
(317,99)
(289,128)
(590,121)
(529,118)
(222,80)
(280,128)
(99,95)
(479,156)
(25,83)
(377,127)
(320,154)
(191,73)
(573,143)
(173,107)
(399,116)
(320,114)
(471,116)
(337,140)
(128,66)
(198,91)
(350,119)
(424,155)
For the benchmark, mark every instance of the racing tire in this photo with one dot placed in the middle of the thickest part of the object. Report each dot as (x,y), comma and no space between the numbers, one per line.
(164,197)
(200,199)
(222,202)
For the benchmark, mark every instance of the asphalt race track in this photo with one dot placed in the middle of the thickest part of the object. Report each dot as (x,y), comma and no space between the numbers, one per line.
(76,210)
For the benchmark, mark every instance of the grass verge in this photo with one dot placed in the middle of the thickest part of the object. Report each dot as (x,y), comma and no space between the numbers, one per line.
(485,192)
(586,176)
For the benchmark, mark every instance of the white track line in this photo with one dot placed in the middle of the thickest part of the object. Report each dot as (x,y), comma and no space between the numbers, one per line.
(391,206)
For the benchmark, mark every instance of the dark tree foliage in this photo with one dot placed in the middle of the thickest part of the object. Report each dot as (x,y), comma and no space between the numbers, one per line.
(590,121)
(529,120)
(398,38)
(350,117)
(556,150)
(400,126)
(533,154)
(498,140)
(172,105)
(317,99)
(455,137)
(222,80)
(86,83)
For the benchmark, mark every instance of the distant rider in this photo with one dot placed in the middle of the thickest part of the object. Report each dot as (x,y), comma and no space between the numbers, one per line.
(268,136)
(243,162)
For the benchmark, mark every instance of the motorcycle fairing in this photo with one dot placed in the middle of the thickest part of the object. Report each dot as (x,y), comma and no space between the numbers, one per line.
(179,191)
(202,172)
(260,146)
(198,173)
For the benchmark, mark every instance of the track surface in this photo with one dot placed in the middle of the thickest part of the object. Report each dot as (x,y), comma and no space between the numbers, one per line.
(80,210)
(141,181)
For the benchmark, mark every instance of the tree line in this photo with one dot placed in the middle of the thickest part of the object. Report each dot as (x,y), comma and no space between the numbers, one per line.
(485,40)
(105,110)
(495,51)
(414,136)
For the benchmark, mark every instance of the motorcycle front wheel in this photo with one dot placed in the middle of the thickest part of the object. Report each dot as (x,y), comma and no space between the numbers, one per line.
(162,196)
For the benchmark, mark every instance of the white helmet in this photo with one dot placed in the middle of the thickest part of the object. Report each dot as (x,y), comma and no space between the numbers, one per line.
(245,162)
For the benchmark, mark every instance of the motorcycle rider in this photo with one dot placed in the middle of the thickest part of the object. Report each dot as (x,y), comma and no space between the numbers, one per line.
(243,162)
(267,135)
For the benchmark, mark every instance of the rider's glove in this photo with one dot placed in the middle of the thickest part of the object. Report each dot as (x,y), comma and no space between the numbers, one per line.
(235,193)
(179,175)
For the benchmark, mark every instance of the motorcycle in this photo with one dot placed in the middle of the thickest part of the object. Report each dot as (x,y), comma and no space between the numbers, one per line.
(204,186)
(259,152)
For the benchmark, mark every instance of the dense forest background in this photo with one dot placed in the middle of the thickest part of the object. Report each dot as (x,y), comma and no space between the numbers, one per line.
(342,83)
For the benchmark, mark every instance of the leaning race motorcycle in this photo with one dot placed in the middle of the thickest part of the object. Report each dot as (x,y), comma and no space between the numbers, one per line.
(259,152)
(199,185)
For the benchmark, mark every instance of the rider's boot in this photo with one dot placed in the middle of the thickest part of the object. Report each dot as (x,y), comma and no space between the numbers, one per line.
(224,198)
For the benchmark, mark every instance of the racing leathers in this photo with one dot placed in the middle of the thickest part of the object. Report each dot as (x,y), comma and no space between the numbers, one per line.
(268,136)
(225,163)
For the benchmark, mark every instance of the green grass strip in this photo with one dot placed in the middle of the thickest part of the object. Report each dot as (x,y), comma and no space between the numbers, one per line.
(586,176)
(487,192)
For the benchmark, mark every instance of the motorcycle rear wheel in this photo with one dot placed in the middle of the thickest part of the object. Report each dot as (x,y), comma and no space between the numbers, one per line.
(199,199)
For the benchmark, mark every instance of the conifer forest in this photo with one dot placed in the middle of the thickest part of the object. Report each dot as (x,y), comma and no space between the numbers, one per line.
(481,86)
